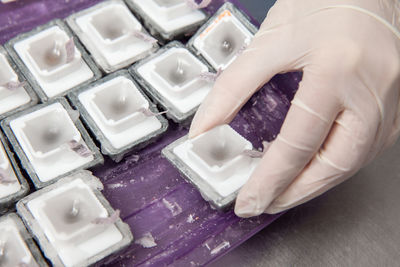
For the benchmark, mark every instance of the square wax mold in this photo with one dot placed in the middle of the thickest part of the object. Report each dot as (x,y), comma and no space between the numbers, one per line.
(52,60)
(51,141)
(73,222)
(113,36)
(168,19)
(224,35)
(215,162)
(17,245)
(15,93)
(173,78)
(119,114)
(13,185)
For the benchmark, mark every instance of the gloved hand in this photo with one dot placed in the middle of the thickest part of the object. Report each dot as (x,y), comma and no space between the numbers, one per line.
(346,110)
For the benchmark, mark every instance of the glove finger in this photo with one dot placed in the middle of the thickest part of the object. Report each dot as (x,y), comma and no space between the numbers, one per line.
(266,56)
(304,129)
(339,158)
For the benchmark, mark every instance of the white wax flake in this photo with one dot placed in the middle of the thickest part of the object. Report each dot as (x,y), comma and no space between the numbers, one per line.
(149,113)
(220,247)
(79,149)
(116,185)
(203,4)
(70,50)
(132,159)
(210,77)
(173,207)
(144,37)
(8,1)
(5,179)
(190,218)
(12,86)
(108,220)
(146,241)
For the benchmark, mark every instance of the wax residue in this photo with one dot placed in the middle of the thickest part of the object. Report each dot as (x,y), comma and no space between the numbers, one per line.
(146,241)
(190,218)
(116,185)
(220,247)
(173,207)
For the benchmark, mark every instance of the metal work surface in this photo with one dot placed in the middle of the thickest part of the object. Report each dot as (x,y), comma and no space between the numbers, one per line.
(355,224)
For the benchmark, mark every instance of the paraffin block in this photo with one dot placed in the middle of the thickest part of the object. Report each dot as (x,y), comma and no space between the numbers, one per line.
(113,36)
(225,35)
(52,60)
(173,78)
(17,245)
(119,114)
(215,162)
(15,92)
(13,185)
(73,222)
(50,141)
(168,19)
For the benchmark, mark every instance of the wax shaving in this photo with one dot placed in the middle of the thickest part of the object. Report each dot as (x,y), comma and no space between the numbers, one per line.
(12,86)
(5,179)
(190,218)
(108,220)
(174,208)
(148,113)
(116,185)
(147,241)
(145,37)
(70,50)
(220,247)
(79,149)
(203,4)
(210,77)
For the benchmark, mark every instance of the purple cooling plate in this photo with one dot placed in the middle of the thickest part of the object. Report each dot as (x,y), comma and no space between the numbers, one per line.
(171,223)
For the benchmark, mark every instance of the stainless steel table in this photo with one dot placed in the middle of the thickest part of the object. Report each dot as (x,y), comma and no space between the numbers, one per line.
(355,224)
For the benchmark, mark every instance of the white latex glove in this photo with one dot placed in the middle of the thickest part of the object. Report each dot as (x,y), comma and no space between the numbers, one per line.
(346,110)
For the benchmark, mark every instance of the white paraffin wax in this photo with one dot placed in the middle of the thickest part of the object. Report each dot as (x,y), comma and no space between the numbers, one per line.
(117,106)
(176,76)
(46,137)
(13,249)
(67,215)
(217,157)
(169,16)
(9,183)
(53,60)
(222,40)
(114,37)
(12,93)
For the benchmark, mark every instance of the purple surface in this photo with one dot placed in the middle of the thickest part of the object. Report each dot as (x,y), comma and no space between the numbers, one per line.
(148,190)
